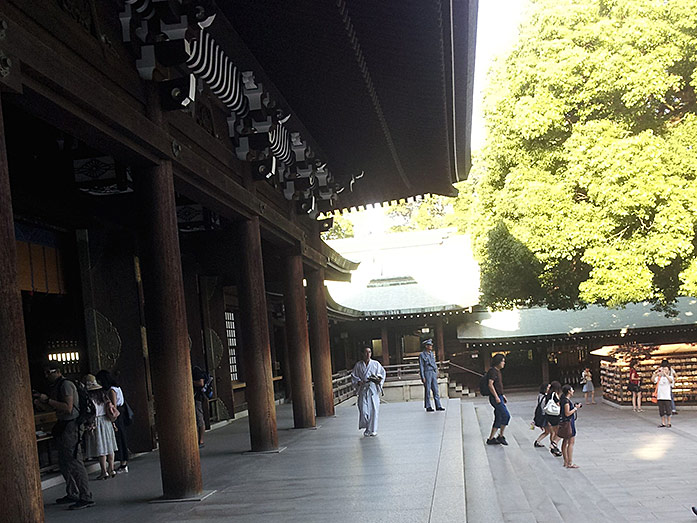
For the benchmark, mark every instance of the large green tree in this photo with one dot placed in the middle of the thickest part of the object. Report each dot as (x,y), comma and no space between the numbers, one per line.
(588,191)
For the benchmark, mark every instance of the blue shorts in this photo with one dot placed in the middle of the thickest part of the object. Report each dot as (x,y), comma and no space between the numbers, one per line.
(501,415)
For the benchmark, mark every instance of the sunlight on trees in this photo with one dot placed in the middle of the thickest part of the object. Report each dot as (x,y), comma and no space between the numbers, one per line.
(587,190)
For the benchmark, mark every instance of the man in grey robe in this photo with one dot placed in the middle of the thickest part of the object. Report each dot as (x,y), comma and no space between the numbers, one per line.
(367,378)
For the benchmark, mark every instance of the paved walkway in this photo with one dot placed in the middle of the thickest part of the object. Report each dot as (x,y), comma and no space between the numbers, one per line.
(410,472)
(630,469)
(425,467)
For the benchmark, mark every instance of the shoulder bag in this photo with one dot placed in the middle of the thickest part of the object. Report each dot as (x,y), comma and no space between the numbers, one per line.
(111,411)
(552,408)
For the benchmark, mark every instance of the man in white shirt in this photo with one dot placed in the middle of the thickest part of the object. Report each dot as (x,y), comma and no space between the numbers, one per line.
(367,378)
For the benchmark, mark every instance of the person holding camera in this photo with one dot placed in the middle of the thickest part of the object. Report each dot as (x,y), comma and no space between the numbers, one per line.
(64,399)
(663,378)
(568,415)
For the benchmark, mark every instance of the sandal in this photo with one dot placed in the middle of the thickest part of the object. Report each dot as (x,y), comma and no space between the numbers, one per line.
(669,425)
(102,476)
(661,425)
(572,466)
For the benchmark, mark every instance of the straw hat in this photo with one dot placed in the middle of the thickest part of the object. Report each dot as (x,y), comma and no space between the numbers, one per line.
(91,382)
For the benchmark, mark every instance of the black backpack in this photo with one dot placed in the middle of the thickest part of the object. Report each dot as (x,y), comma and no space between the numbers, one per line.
(539,416)
(484,385)
(87,412)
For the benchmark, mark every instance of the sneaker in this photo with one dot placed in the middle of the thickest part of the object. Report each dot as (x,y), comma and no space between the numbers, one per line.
(79,505)
(429,409)
(66,499)
(538,445)
(373,433)
(440,408)
(694,509)
(493,441)
(502,440)
(122,469)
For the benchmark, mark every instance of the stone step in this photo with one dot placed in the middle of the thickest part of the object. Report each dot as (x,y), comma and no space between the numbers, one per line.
(573,506)
(512,499)
(481,505)
(591,502)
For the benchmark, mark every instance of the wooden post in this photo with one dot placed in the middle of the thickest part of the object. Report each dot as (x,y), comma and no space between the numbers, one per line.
(440,341)
(298,343)
(542,351)
(168,340)
(19,463)
(319,343)
(385,346)
(254,332)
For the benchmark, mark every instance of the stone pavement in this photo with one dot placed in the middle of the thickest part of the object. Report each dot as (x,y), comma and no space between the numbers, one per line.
(630,469)
(425,467)
(411,472)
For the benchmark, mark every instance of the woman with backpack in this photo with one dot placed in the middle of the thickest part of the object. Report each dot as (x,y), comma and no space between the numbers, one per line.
(539,419)
(107,381)
(100,439)
(552,410)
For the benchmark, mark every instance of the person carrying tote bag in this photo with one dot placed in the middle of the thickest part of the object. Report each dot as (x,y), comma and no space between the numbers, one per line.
(567,426)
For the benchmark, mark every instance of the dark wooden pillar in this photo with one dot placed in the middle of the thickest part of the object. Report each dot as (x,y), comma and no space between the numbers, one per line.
(168,342)
(384,334)
(440,341)
(319,344)
(255,339)
(298,343)
(19,463)
(542,351)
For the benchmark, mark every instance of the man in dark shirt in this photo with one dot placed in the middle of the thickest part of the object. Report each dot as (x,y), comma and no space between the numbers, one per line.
(497,400)
(65,401)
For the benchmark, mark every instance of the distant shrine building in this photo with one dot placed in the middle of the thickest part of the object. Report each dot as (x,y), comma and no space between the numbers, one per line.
(412,286)
(163,165)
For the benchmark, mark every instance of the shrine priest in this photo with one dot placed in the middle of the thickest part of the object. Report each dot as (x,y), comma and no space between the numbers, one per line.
(367,378)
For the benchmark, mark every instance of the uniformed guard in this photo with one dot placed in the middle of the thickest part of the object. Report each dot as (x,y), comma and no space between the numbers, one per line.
(428,370)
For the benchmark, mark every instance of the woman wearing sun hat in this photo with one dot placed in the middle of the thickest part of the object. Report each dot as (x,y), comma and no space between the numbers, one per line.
(100,441)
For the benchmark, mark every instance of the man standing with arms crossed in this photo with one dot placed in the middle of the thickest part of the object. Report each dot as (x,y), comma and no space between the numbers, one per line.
(497,400)
(428,370)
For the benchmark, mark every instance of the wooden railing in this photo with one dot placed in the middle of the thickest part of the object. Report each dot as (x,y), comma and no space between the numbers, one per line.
(410,371)
(342,386)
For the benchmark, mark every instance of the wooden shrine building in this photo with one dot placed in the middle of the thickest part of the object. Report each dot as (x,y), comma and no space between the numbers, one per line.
(162,167)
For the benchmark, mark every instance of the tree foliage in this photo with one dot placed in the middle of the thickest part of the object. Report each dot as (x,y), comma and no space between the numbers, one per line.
(341,228)
(588,191)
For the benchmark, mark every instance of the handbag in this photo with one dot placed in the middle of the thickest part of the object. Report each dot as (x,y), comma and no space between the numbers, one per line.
(111,411)
(564,429)
(552,408)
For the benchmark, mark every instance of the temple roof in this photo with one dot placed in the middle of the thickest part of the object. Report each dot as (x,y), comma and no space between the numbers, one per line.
(408,273)
(521,323)
(384,88)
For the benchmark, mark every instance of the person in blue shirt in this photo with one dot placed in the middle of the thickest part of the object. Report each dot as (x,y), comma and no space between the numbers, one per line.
(428,370)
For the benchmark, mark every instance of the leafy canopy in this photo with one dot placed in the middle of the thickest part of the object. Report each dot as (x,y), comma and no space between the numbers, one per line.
(588,192)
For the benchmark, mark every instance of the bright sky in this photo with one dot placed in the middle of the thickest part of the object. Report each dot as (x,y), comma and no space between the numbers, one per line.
(497,29)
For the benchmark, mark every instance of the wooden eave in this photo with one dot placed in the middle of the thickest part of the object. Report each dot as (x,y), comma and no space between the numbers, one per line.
(385,88)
